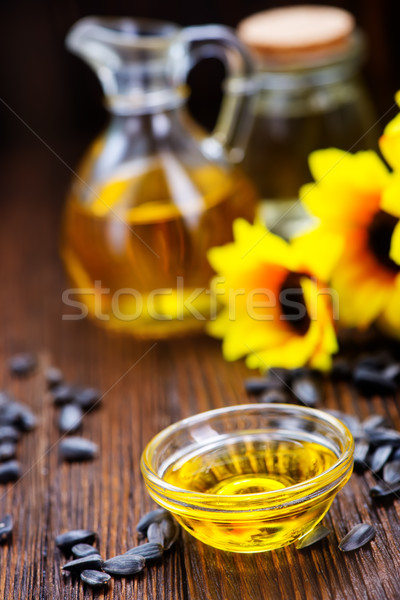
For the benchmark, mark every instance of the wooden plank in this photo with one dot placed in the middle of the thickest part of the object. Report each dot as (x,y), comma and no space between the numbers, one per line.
(146,388)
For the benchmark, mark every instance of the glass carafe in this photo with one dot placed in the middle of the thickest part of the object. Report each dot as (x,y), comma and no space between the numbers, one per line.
(153,193)
(300,98)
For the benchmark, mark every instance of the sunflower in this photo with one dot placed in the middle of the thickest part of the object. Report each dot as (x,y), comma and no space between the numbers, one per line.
(351,197)
(276,310)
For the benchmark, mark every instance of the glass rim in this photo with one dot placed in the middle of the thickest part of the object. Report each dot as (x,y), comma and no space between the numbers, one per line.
(138,32)
(296,493)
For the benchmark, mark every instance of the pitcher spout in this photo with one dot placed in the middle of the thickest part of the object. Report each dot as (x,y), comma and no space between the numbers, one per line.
(132,59)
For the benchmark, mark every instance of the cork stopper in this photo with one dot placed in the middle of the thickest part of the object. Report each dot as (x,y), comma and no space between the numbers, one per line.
(296,33)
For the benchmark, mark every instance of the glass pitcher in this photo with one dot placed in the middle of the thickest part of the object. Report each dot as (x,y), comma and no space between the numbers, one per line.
(153,193)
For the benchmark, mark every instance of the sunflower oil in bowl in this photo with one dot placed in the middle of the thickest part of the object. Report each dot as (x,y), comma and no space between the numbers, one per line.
(247,467)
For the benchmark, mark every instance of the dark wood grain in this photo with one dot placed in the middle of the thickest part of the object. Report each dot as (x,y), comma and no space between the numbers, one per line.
(145,389)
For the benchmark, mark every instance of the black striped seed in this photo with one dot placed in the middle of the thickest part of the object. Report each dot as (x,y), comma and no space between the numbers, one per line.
(150,551)
(6,529)
(93,561)
(70,419)
(391,472)
(155,533)
(124,565)
(316,535)
(8,451)
(63,393)
(385,490)
(77,448)
(81,550)
(380,457)
(8,433)
(54,377)
(88,398)
(357,537)
(154,516)
(66,540)
(10,471)
(95,578)
(306,391)
(170,531)
(22,364)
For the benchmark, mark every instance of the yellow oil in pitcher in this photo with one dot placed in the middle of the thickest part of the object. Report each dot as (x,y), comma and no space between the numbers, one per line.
(135,248)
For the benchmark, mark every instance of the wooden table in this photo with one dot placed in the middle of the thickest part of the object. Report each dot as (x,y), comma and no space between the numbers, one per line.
(146,388)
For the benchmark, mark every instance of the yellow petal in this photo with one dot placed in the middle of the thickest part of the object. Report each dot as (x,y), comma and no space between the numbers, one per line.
(361,300)
(363,170)
(391,198)
(389,321)
(350,190)
(395,246)
(389,142)
(323,162)
(318,251)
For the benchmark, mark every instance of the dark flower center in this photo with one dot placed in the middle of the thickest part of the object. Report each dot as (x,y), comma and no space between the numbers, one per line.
(293,306)
(380,236)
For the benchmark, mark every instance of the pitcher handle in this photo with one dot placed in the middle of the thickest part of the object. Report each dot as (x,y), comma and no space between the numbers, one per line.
(230,134)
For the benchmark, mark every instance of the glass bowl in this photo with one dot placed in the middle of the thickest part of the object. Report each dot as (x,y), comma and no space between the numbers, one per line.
(249,478)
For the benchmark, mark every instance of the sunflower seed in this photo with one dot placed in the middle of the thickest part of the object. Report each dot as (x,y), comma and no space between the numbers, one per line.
(5,398)
(66,540)
(93,561)
(10,413)
(18,414)
(77,448)
(81,550)
(360,454)
(381,436)
(10,471)
(257,385)
(316,535)
(392,372)
(375,362)
(22,364)
(63,393)
(170,530)
(373,422)
(6,528)
(70,420)
(8,451)
(155,533)
(372,383)
(391,472)
(299,372)
(360,535)
(88,398)
(154,516)
(8,433)
(380,457)
(95,578)
(306,391)
(124,564)
(27,420)
(351,421)
(150,551)
(396,454)
(274,396)
(53,377)
(385,490)
(341,370)
(279,375)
